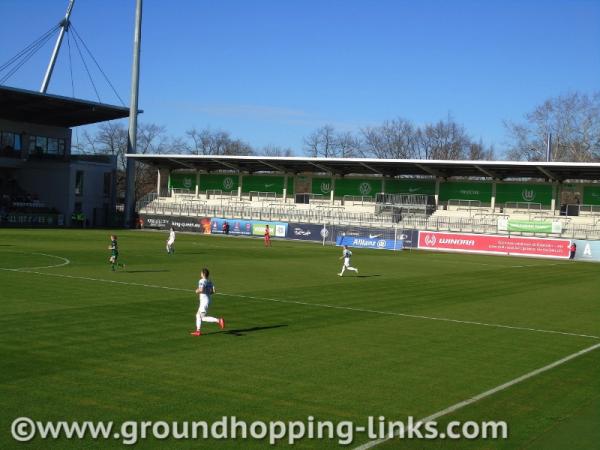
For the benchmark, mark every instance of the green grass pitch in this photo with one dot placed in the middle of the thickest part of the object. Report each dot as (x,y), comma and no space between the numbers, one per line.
(299,340)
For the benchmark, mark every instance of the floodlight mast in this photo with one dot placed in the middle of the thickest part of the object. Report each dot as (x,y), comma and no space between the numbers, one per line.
(64,26)
(128,210)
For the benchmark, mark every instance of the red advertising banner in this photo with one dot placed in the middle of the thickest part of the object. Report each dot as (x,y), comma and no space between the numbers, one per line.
(502,245)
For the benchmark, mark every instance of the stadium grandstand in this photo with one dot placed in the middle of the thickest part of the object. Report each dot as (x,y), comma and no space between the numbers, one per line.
(546,199)
(41,182)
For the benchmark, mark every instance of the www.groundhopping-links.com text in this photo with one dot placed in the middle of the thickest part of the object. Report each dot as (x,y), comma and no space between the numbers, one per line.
(25,429)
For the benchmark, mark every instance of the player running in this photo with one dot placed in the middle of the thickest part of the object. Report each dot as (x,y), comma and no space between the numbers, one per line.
(114,253)
(205,288)
(171,242)
(346,255)
(267,236)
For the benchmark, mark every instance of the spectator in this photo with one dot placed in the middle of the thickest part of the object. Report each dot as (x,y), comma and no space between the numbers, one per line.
(573,249)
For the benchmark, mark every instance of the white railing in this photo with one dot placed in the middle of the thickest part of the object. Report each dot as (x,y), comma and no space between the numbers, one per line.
(523,206)
(464,203)
(357,199)
(591,210)
(264,196)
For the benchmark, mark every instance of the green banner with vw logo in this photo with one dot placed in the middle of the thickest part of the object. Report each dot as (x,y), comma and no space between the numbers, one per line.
(321,186)
(182,180)
(357,186)
(222,182)
(517,192)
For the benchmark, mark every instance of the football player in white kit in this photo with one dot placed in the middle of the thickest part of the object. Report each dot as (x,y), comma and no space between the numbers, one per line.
(346,255)
(205,288)
(171,242)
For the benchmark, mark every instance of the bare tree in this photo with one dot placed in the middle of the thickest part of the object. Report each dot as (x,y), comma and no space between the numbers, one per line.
(396,139)
(347,145)
(322,142)
(445,139)
(209,142)
(273,150)
(572,119)
(477,151)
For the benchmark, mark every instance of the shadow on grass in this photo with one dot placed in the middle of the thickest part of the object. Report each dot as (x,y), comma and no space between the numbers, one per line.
(367,276)
(244,331)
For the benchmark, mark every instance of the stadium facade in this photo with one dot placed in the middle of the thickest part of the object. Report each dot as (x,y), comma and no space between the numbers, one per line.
(41,182)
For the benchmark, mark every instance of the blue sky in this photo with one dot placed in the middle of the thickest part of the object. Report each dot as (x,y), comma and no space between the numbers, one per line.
(270,72)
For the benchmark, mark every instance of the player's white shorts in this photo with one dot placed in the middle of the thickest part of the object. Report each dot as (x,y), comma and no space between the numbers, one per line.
(347,262)
(204,303)
(170,242)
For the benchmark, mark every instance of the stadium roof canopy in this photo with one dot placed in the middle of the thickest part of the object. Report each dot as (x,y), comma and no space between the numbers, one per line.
(19,105)
(555,171)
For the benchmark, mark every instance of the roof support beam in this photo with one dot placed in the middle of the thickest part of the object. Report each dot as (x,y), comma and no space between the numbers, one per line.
(371,168)
(430,171)
(226,164)
(273,166)
(321,167)
(487,172)
(176,161)
(549,174)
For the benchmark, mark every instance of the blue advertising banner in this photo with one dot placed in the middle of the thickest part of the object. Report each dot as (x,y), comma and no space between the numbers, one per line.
(409,237)
(366,242)
(587,250)
(307,232)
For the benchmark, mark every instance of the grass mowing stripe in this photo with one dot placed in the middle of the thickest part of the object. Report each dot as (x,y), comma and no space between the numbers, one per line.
(319,305)
(489,392)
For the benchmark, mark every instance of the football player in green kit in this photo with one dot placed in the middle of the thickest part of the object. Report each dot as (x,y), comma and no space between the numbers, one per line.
(114,253)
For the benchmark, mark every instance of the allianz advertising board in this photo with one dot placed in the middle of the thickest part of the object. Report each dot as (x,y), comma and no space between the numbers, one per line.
(369,242)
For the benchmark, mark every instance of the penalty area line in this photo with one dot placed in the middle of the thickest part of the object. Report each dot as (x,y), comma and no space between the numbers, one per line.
(314,305)
(487,393)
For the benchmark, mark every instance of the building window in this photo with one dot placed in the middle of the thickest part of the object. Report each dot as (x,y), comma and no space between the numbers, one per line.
(10,141)
(41,144)
(79,182)
(107,184)
(52,146)
(46,146)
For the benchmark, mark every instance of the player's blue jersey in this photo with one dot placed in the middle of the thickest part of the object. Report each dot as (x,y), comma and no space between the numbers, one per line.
(207,286)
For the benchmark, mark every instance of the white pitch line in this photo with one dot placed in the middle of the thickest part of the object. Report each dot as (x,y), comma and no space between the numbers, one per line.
(317,305)
(413,316)
(66,261)
(488,393)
